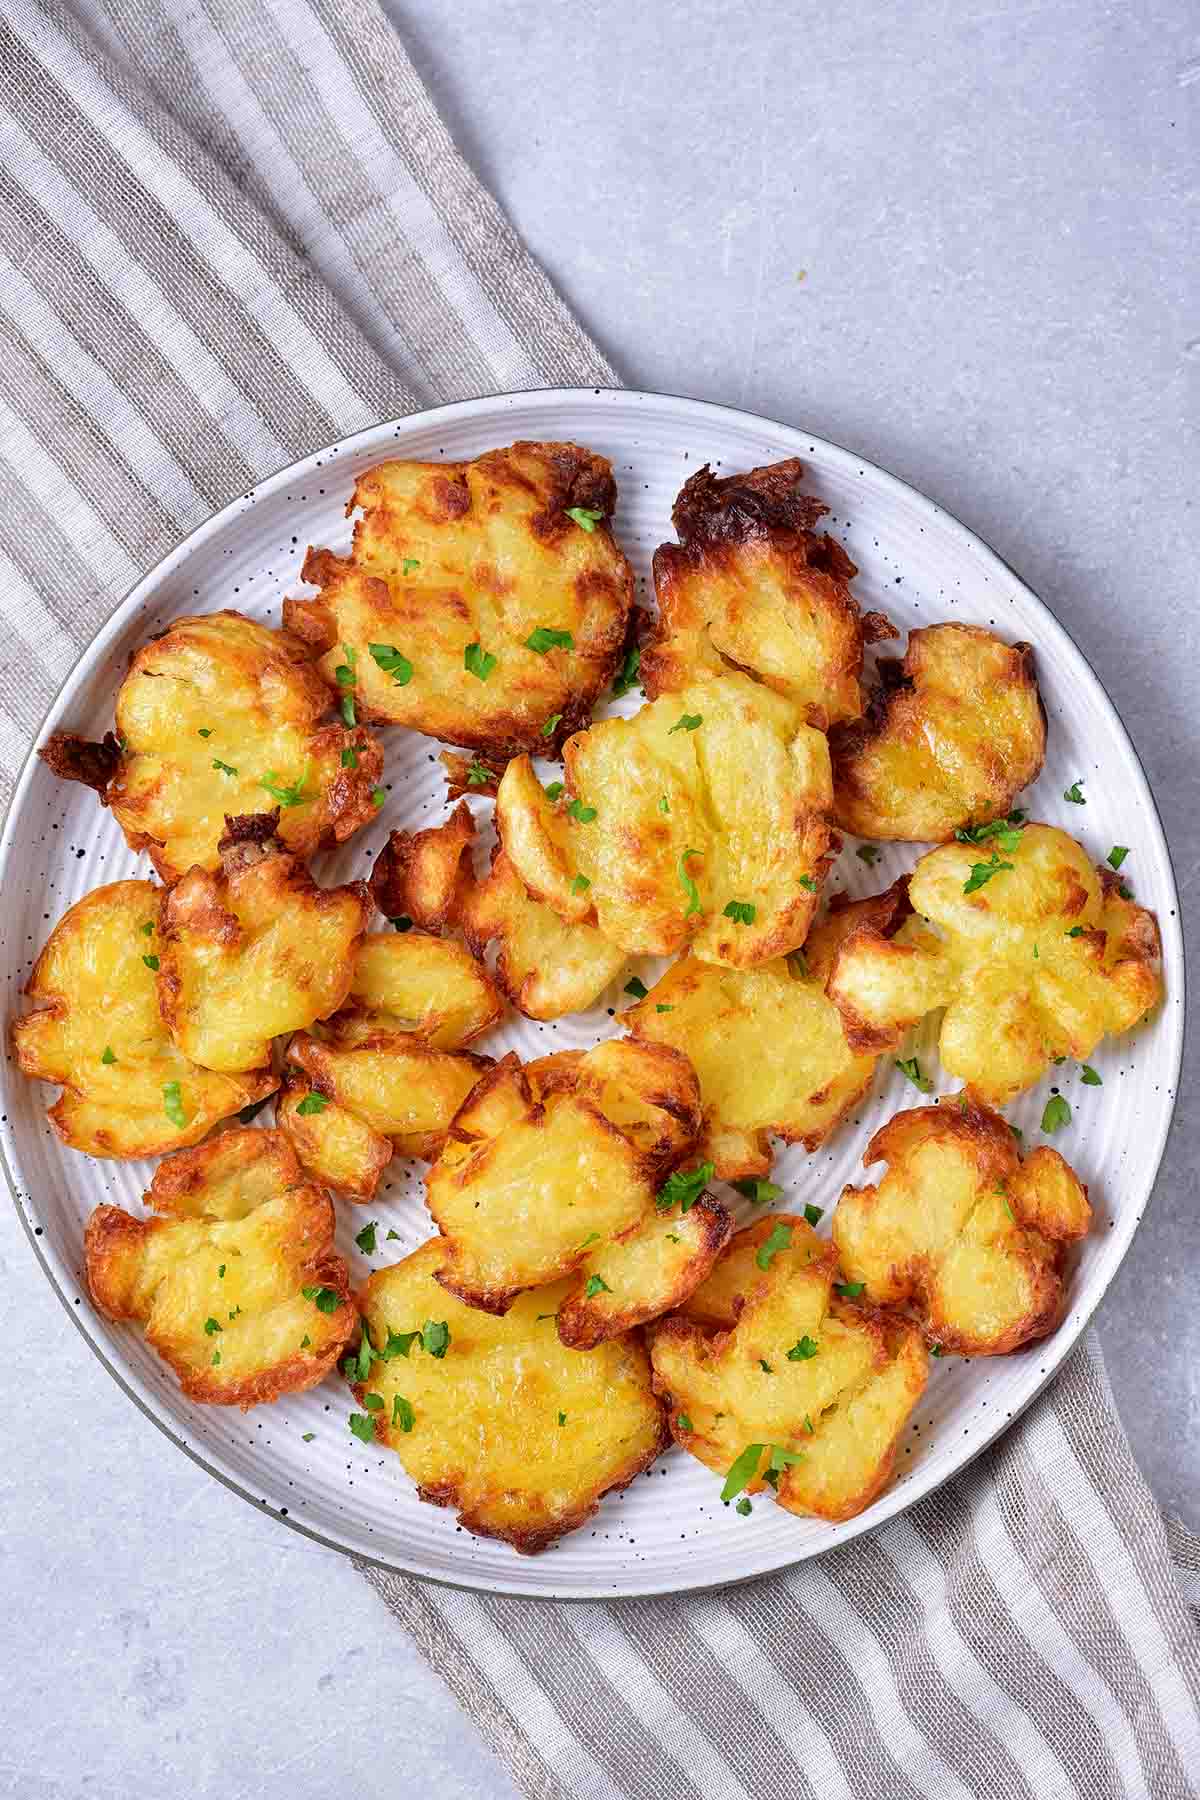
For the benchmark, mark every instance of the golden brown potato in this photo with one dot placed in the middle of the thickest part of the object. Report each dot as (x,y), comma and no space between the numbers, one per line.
(767,1044)
(215,717)
(523,1436)
(774,1380)
(960,1231)
(97,1032)
(558,1171)
(953,734)
(751,586)
(1037,956)
(422,875)
(701,820)
(256,951)
(411,982)
(236,1283)
(547,967)
(487,601)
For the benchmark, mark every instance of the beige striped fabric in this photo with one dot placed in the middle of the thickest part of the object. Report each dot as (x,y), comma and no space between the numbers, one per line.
(230,233)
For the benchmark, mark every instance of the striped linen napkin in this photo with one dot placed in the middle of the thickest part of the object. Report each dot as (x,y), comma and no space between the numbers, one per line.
(232,233)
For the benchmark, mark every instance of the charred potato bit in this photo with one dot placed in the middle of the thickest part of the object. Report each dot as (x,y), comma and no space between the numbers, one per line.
(421,875)
(547,967)
(960,1230)
(701,820)
(97,1032)
(236,1282)
(521,1435)
(255,951)
(794,1386)
(767,1044)
(952,736)
(220,715)
(751,585)
(482,599)
(559,1170)
(1037,956)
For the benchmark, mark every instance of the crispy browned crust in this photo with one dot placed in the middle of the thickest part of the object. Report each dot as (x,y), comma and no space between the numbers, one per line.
(489,771)
(74,758)
(249,838)
(420,875)
(582,1325)
(862,1036)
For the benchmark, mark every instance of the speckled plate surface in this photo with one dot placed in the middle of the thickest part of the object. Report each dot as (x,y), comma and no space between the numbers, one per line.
(669,1531)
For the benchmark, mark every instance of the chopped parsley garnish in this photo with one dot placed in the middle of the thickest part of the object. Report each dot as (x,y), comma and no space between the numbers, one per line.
(637,988)
(910,1068)
(478,774)
(868,854)
(664,805)
(688,885)
(147,930)
(1117,855)
(593,1237)
(108,1056)
(363,1427)
(742,1470)
(210,1327)
(402,1413)
(744,1507)
(373,1402)
(1075,931)
(803,1350)
(780,1238)
(173,1104)
(278,790)
(553,789)
(305,1341)
(628,674)
(204,731)
(435,1337)
(682,1422)
(782,1459)
(761,1192)
(1056,1114)
(344,673)
(1007,832)
(685,1186)
(765,1366)
(478,662)
(306,1437)
(409,563)
(551,725)
(216,1357)
(808,1425)
(580,885)
(596,1285)
(221,1272)
(586,517)
(378,796)
(402,923)
(583,814)
(662,1006)
(562,1418)
(350,756)
(393,1234)
(225,768)
(983,872)
(312,1103)
(325,1299)
(547,638)
(849,1290)
(151,962)
(814,1214)
(807,881)
(742,912)
(1090,1077)
(365,1239)
(1073,794)
(686,722)
(393,662)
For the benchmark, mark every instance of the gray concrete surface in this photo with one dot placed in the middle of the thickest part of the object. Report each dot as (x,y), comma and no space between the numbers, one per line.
(989,205)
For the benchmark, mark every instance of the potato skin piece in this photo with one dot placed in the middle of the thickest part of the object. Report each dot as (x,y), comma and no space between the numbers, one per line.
(236,1224)
(962,1232)
(93,994)
(725,1367)
(422,875)
(547,967)
(452,554)
(486,1438)
(951,737)
(751,585)
(255,694)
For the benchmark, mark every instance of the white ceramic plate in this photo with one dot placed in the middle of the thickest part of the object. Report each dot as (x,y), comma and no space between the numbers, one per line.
(669,1531)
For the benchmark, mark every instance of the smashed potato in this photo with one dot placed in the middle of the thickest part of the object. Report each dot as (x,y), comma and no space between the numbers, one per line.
(557,1170)
(422,875)
(962,1231)
(776,1380)
(1036,956)
(523,1436)
(255,951)
(547,967)
(236,1282)
(953,734)
(214,717)
(701,820)
(98,1034)
(751,586)
(487,602)
(411,982)
(766,1043)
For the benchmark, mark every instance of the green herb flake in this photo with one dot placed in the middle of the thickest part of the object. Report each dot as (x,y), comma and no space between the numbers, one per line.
(1056,1114)
(312,1103)
(204,731)
(762,1193)
(807,881)
(629,673)
(808,1425)
(1073,794)
(686,722)
(684,1187)
(797,965)
(780,1238)
(662,1006)
(147,930)
(1117,855)
(814,1214)
(664,805)
(562,1418)
(350,756)
(782,1459)
(373,1402)
(363,1427)
(478,774)
(849,1290)
(346,708)
(108,1057)
(1090,1077)
(173,1104)
(981,873)
(765,1366)
(586,517)
(478,662)
(553,789)
(225,768)
(688,885)
(596,1285)
(344,673)
(742,912)
(402,1413)
(1005,832)
(744,1507)
(742,1471)
(869,854)
(306,1437)
(409,563)
(803,1350)
(365,1239)
(546,638)
(435,1338)
(551,725)
(305,1341)
(393,1235)
(325,1299)
(378,796)
(211,1327)
(216,1358)
(637,988)
(583,814)
(1075,931)
(580,885)
(151,962)
(683,1423)
(221,1272)
(910,1068)
(293,795)
(390,661)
